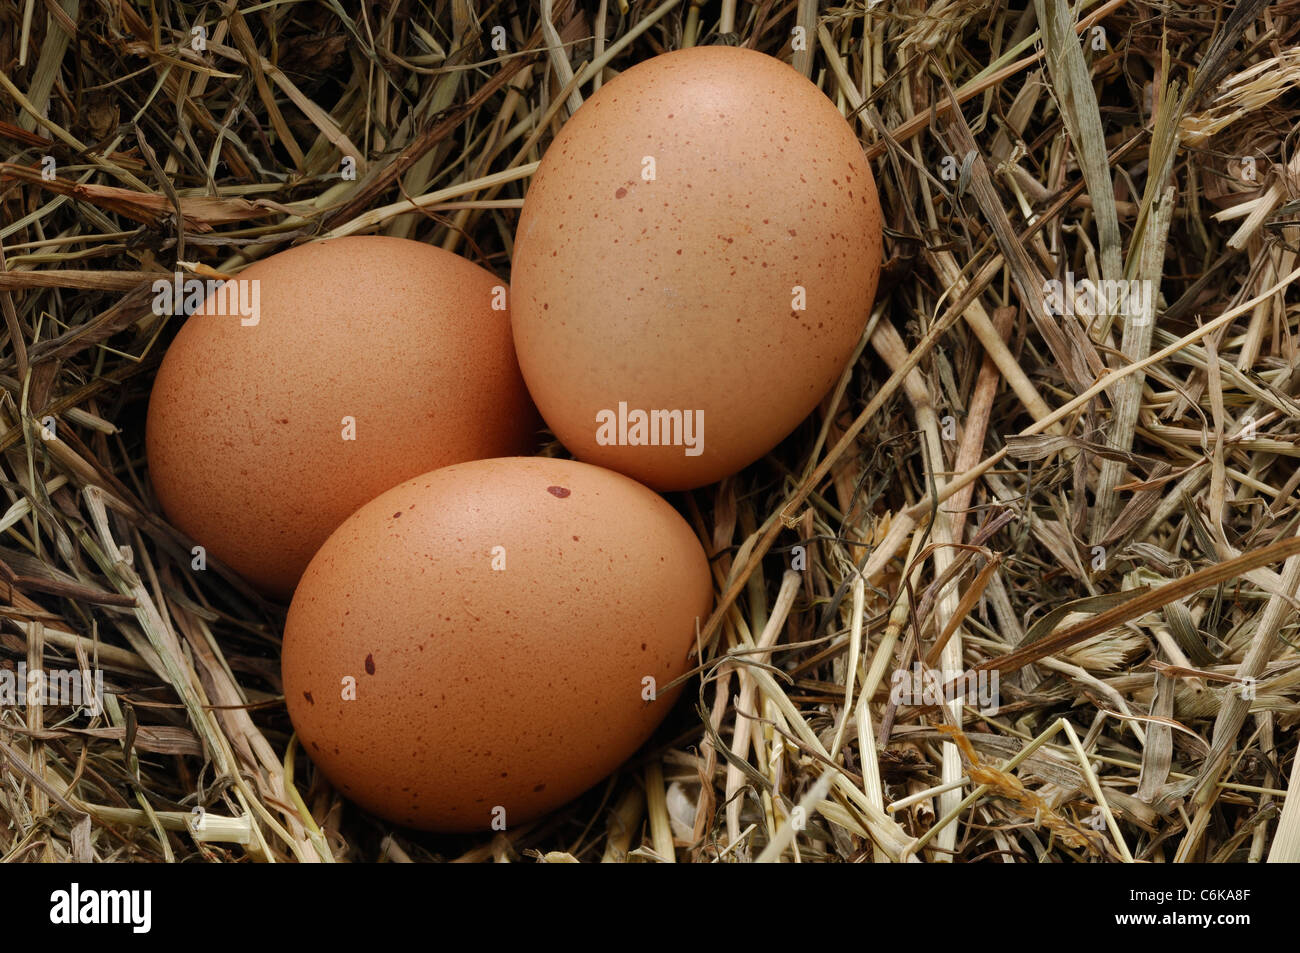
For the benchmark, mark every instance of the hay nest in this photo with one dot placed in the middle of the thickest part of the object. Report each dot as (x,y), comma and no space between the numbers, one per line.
(1025,588)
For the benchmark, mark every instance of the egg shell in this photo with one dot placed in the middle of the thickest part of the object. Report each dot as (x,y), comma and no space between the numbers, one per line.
(499,619)
(735,282)
(246,426)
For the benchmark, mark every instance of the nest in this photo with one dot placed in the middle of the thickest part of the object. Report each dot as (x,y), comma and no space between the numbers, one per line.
(1024,588)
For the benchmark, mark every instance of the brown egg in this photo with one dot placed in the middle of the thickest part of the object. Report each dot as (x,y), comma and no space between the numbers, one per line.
(369,360)
(479,644)
(695,262)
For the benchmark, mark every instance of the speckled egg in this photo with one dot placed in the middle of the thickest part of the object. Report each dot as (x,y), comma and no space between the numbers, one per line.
(366,361)
(482,643)
(695,262)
